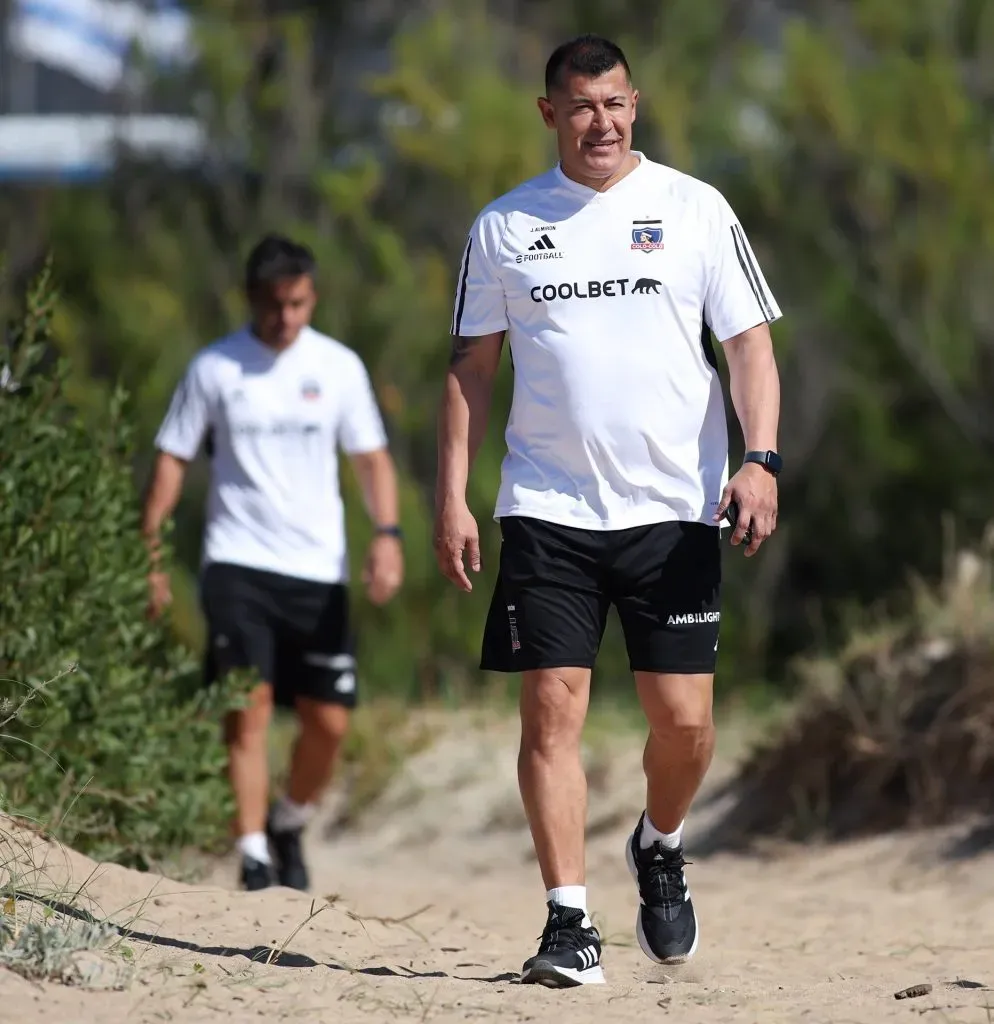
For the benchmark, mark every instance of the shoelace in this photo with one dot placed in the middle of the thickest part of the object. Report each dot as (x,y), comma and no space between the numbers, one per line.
(563,931)
(662,878)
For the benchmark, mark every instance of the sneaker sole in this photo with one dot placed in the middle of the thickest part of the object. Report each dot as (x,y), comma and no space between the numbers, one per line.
(257,888)
(295,877)
(640,931)
(562,977)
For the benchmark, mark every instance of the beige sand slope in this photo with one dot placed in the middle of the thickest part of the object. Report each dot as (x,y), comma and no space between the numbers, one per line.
(435,901)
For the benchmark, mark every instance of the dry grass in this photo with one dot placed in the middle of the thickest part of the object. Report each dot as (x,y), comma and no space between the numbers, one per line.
(896,731)
(41,944)
(47,931)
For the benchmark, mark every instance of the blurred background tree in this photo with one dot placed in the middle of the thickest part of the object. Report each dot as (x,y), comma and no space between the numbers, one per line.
(853,140)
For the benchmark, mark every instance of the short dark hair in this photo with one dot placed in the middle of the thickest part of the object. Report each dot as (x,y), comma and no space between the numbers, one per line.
(275,257)
(585,55)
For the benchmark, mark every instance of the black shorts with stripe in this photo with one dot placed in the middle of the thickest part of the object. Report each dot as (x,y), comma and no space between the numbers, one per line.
(295,633)
(556,584)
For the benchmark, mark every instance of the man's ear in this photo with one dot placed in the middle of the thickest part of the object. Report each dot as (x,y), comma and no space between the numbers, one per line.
(548,112)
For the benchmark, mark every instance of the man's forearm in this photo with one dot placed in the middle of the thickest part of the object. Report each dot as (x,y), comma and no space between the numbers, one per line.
(755,390)
(462,425)
(378,482)
(161,497)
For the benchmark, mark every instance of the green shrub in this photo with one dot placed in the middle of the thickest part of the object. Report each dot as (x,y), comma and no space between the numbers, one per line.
(120,753)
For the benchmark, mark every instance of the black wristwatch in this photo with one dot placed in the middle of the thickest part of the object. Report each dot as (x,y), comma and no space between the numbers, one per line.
(390,531)
(770,461)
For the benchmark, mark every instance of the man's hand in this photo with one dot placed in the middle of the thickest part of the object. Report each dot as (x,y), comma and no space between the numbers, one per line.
(160,594)
(455,532)
(755,492)
(384,569)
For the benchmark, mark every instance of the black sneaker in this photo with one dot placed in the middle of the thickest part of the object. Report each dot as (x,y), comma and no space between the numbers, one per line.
(290,867)
(256,874)
(569,954)
(667,925)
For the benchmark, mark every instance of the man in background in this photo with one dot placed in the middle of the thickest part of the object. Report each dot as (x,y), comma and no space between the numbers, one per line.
(608,274)
(273,401)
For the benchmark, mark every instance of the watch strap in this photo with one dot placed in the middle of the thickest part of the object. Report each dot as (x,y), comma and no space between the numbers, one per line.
(769,460)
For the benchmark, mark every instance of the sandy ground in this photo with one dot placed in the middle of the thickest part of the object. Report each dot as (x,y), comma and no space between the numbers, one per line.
(427,909)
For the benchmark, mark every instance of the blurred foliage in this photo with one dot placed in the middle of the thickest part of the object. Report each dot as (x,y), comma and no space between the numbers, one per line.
(854,143)
(896,730)
(106,734)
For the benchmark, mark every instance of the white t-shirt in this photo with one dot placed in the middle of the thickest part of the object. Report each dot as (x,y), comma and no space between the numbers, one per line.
(617,418)
(275,421)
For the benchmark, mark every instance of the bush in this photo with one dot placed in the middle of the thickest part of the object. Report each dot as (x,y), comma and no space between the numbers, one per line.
(122,753)
(896,731)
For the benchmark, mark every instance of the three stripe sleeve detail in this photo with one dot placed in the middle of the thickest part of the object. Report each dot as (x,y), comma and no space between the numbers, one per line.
(748,265)
(461,299)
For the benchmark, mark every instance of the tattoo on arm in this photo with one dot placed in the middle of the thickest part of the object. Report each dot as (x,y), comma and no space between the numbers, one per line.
(461,347)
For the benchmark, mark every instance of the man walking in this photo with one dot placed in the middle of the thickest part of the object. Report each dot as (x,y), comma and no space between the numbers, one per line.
(606,274)
(273,401)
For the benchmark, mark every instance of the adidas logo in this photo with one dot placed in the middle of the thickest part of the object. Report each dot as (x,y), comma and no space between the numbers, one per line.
(588,956)
(543,249)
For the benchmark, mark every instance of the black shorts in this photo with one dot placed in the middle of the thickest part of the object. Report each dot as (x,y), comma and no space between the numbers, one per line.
(295,633)
(556,584)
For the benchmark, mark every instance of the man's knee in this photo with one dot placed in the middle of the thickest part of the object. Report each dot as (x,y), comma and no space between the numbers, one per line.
(324,720)
(678,708)
(553,707)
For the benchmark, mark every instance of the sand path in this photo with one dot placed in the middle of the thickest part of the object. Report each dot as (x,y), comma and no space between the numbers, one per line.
(435,901)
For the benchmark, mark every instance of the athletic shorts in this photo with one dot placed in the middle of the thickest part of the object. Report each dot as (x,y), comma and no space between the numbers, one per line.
(295,633)
(556,584)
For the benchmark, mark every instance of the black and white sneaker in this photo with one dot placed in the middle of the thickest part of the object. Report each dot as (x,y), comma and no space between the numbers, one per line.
(666,926)
(256,874)
(568,955)
(291,870)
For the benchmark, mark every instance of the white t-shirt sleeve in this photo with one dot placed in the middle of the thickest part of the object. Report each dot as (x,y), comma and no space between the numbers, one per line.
(361,426)
(480,303)
(188,416)
(737,296)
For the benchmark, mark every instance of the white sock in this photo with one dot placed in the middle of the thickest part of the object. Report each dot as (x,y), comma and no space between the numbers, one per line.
(287,815)
(573,896)
(651,834)
(254,845)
